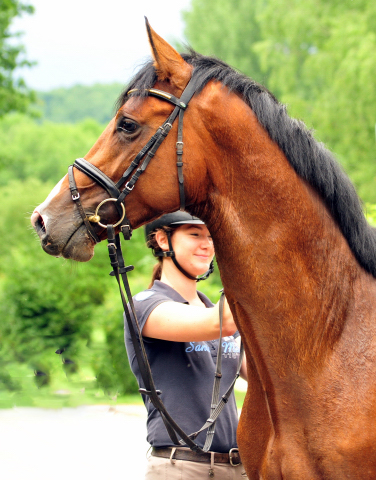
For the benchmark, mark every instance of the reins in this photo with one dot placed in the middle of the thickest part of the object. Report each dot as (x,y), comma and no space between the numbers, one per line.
(149,388)
(117,196)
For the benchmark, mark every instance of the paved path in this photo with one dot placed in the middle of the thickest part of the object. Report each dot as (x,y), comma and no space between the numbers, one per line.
(88,443)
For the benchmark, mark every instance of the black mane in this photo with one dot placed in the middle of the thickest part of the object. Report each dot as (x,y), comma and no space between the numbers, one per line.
(310,159)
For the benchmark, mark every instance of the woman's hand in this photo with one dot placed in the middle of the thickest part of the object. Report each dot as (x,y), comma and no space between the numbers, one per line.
(228,320)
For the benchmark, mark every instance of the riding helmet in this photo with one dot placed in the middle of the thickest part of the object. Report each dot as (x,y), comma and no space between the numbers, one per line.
(175,218)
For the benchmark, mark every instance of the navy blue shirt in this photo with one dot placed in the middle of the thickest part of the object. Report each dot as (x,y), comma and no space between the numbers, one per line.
(184,372)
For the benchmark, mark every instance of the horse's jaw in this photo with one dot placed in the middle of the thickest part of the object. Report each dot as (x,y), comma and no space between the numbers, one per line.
(73,243)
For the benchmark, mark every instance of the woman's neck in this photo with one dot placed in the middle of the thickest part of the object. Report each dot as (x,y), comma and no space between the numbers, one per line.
(183,285)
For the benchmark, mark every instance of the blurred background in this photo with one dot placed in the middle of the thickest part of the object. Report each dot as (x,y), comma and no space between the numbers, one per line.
(62,67)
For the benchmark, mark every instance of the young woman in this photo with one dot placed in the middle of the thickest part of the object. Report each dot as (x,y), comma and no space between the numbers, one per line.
(180,329)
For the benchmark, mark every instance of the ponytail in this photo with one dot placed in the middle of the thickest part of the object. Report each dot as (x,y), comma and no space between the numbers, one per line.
(157,272)
(153,244)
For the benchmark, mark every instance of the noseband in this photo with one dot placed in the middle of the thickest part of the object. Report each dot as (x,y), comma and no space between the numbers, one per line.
(140,163)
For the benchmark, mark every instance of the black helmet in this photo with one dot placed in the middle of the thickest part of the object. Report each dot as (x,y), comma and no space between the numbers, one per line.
(176,218)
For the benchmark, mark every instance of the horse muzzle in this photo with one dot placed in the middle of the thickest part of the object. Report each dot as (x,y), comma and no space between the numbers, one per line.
(77,246)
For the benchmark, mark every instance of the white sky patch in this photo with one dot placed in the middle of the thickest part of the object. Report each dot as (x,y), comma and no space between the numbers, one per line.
(86,42)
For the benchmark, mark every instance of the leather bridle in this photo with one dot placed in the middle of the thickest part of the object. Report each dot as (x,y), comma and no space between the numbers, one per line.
(129,178)
(140,163)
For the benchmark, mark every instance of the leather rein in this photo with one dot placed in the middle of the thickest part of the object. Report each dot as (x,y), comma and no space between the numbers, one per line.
(129,178)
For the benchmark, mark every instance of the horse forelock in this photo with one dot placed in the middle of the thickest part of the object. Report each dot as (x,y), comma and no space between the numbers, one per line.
(309,158)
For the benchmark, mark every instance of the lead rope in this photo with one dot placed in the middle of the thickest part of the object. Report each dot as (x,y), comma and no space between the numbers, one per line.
(120,270)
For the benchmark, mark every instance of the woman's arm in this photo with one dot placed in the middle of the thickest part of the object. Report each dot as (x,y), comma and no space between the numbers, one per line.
(179,322)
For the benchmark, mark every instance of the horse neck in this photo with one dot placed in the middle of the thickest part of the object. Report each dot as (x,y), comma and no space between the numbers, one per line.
(285,266)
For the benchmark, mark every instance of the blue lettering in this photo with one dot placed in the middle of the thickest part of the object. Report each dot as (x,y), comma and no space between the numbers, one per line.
(230,347)
(197,348)
(202,348)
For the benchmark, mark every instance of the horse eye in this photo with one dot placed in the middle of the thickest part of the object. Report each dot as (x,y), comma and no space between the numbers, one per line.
(127,125)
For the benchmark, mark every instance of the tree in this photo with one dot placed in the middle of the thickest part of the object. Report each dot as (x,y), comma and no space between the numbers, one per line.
(46,305)
(316,56)
(226,30)
(14,94)
(80,102)
(42,150)
(321,61)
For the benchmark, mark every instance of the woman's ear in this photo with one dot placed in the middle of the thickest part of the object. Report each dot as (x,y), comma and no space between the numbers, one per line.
(162,240)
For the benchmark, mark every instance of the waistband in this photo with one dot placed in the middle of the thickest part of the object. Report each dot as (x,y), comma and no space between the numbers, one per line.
(232,457)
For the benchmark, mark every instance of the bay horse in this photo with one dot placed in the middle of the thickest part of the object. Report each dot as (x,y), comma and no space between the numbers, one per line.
(296,256)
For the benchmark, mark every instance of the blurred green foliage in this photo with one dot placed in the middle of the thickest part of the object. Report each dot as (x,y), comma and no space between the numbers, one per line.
(316,56)
(61,329)
(14,94)
(77,103)
(42,150)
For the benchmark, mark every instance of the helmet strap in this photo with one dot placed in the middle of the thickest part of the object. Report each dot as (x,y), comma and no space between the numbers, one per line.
(171,254)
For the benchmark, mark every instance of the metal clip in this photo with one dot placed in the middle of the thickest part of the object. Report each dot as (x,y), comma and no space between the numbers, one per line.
(94,218)
(179,148)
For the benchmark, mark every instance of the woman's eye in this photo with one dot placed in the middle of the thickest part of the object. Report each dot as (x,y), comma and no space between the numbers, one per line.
(127,126)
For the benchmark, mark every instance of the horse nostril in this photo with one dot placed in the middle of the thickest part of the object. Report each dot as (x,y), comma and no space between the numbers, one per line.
(38,223)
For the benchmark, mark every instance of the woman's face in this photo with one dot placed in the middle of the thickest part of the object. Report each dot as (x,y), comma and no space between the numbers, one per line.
(193,247)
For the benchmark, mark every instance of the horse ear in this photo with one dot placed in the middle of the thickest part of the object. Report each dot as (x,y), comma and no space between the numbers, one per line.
(168,62)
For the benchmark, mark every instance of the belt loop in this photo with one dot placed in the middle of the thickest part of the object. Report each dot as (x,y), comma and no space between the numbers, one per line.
(211,469)
(172,460)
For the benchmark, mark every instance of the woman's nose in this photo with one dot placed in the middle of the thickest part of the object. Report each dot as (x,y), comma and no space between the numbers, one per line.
(207,242)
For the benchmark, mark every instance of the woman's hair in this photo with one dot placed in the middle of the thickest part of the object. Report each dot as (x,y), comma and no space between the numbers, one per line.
(153,244)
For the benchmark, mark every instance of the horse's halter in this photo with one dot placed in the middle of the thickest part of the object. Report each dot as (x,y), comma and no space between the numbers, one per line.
(148,151)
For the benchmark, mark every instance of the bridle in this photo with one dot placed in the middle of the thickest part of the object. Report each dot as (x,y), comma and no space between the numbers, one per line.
(140,163)
(129,178)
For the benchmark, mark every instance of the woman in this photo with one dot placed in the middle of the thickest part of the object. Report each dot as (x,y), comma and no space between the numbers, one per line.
(180,329)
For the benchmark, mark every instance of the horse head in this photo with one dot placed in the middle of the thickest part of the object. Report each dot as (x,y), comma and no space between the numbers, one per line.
(142,112)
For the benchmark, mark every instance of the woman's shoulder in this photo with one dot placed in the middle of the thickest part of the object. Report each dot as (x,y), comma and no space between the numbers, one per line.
(205,300)
(159,290)
(147,300)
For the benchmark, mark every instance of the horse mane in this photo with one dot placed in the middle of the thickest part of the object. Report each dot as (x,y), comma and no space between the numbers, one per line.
(309,158)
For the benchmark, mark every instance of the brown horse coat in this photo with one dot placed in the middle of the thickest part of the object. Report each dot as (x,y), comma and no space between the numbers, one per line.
(294,272)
